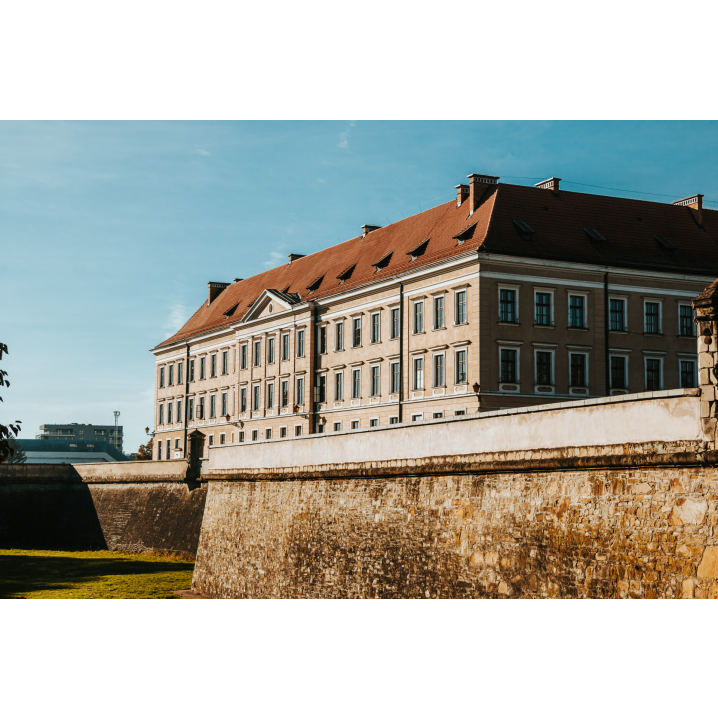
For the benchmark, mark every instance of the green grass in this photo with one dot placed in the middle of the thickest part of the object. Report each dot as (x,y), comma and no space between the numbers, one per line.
(90,574)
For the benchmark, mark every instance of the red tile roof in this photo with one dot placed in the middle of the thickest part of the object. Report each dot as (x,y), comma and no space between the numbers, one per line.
(629,227)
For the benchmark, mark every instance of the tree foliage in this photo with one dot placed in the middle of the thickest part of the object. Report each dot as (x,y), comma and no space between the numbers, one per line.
(144,453)
(11,430)
(17,453)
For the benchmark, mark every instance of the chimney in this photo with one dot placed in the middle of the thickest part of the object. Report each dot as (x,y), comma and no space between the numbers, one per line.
(215,289)
(366,228)
(462,194)
(236,280)
(695,202)
(294,257)
(478,184)
(551,183)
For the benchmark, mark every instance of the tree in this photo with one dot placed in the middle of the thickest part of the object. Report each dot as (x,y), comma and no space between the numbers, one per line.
(17,453)
(144,453)
(11,430)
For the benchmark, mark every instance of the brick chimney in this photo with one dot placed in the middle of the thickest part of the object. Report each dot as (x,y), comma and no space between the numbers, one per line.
(366,228)
(462,194)
(478,184)
(551,183)
(294,257)
(215,289)
(695,202)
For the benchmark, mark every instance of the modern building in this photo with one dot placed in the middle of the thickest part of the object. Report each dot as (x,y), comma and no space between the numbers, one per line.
(44,451)
(505,297)
(82,432)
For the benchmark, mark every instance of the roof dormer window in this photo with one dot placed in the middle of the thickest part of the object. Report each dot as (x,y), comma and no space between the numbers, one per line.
(418,250)
(594,234)
(346,274)
(315,284)
(383,262)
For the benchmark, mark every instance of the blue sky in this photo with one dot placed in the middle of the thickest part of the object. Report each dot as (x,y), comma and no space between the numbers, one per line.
(110,231)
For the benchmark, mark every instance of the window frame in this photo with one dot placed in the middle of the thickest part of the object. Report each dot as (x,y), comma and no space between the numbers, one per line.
(465,292)
(339,386)
(243,400)
(256,397)
(375,379)
(213,406)
(300,348)
(257,352)
(552,353)
(224,403)
(659,359)
(396,375)
(161,378)
(626,376)
(584,296)
(439,313)
(269,395)
(415,315)
(213,365)
(356,332)
(161,415)
(339,336)
(202,368)
(585,355)
(285,342)
(375,327)
(692,323)
(356,393)
(552,305)
(435,377)
(517,364)
(457,351)
(321,339)
(271,349)
(299,391)
(225,362)
(620,298)
(395,322)
(170,375)
(415,373)
(694,362)
(243,356)
(659,302)
(284,393)
(515,288)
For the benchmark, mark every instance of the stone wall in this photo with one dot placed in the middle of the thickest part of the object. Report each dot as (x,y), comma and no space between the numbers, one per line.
(129,506)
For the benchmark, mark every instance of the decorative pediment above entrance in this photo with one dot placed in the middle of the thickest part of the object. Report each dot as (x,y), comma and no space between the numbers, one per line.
(270,302)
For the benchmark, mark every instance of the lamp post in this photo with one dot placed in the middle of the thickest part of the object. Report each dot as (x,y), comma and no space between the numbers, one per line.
(477,390)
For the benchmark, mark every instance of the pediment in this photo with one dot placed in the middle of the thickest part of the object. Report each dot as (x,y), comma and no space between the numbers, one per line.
(269,303)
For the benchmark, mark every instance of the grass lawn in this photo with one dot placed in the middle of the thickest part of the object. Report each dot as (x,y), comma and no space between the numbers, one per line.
(90,574)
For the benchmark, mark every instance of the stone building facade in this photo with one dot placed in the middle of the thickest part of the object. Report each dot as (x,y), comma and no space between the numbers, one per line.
(507,296)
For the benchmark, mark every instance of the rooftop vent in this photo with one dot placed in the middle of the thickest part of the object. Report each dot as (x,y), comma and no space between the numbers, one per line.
(694,202)
(315,284)
(294,257)
(551,183)
(215,289)
(366,228)
(346,274)
(594,234)
(478,184)
(523,228)
(462,194)
(418,250)
(665,243)
(383,262)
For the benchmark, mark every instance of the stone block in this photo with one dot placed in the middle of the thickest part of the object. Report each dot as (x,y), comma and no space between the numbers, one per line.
(688,511)
(687,588)
(708,567)
(705,360)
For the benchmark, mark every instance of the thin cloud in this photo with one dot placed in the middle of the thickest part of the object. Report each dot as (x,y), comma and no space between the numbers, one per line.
(177,316)
(344,137)
(202,152)
(274,261)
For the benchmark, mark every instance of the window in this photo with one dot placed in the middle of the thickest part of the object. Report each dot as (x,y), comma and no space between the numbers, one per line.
(255,403)
(179,410)
(298,430)
(268,434)
(300,343)
(375,381)
(337,426)
(257,353)
(190,407)
(437,415)
(270,350)
(241,437)
(191,369)
(653,324)
(507,306)
(243,399)
(243,356)
(203,368)
(393,419)
(578,370)
(169,447)
(171,375)
(419,373)
(211,441)
(320,388)
(395,378)
(460,374)
(375,328)
(418,317)
(200,408)
(544,375)
(356,383)
(255,435)
(356,332)
(355,424)
(616,315)
(653,374)
(460,307)
(285,350)
(161,419)
(320,427)
(225,362)
(577,311)
(282,432)
(339,386)
(373,422)
(179,372)
(460,412)
(339,336)
(222,438)
(508,365)
(159,449)
(417,417)
(213,365)
(169,412)
(688,374)
(321,340)
(686,326)
(439,373)
(543,309)
(618,373)
(225,412)
(439,312)
(300,391)
(395,323)
(285,393)
(162,377)
(212,406)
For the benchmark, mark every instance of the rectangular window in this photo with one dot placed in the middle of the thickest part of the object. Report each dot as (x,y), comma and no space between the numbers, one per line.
(337,426)
(200,408)
(256,404)
(282,432)
(355,424)
(375,381)
(255,434)
(578,370)
(203,368)
(171,376)
(686,326)
(418,317)
(300,343)
(395,378)
(460,307)
(243,400)
(243,356)
(543,367)
(653,374)
(285,393)
(375,328)
(356,383)
(159,449)
(417,417)
(460,376)
(212,406)
(576,311)
(179,372)
(460,412)
(241,437)
(320,428)
(270,350)
(224,404)
(439,373)
(356,332)
(211,441)
(225,362)
(339,386)
(437,415)
(618,373)
(419,373)
(439,312)
(161,419)
(179,411)
(285,348)
(169,447)
(395,323)
(298,430)
(339,336)
(162,377)
(268,434)
(616,315)
(688,374)
(508,366)
(300,391)
(257,353)
(222,438)
(191,369)
(321,340)
(393,419)
(373,422)
(320,388)
(507,306)
(190,409)
(169,412)
(213,365)
(543,308)
(652,318)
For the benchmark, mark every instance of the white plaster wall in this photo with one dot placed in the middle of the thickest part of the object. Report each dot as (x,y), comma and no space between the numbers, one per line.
(637,418)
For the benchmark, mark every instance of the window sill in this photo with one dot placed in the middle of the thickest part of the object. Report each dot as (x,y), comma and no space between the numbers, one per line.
(618,331)
(578,329)
(417,333)
(439,329)
(393,339)
(507,324)
(652,334)
(686,336)
(544,326)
